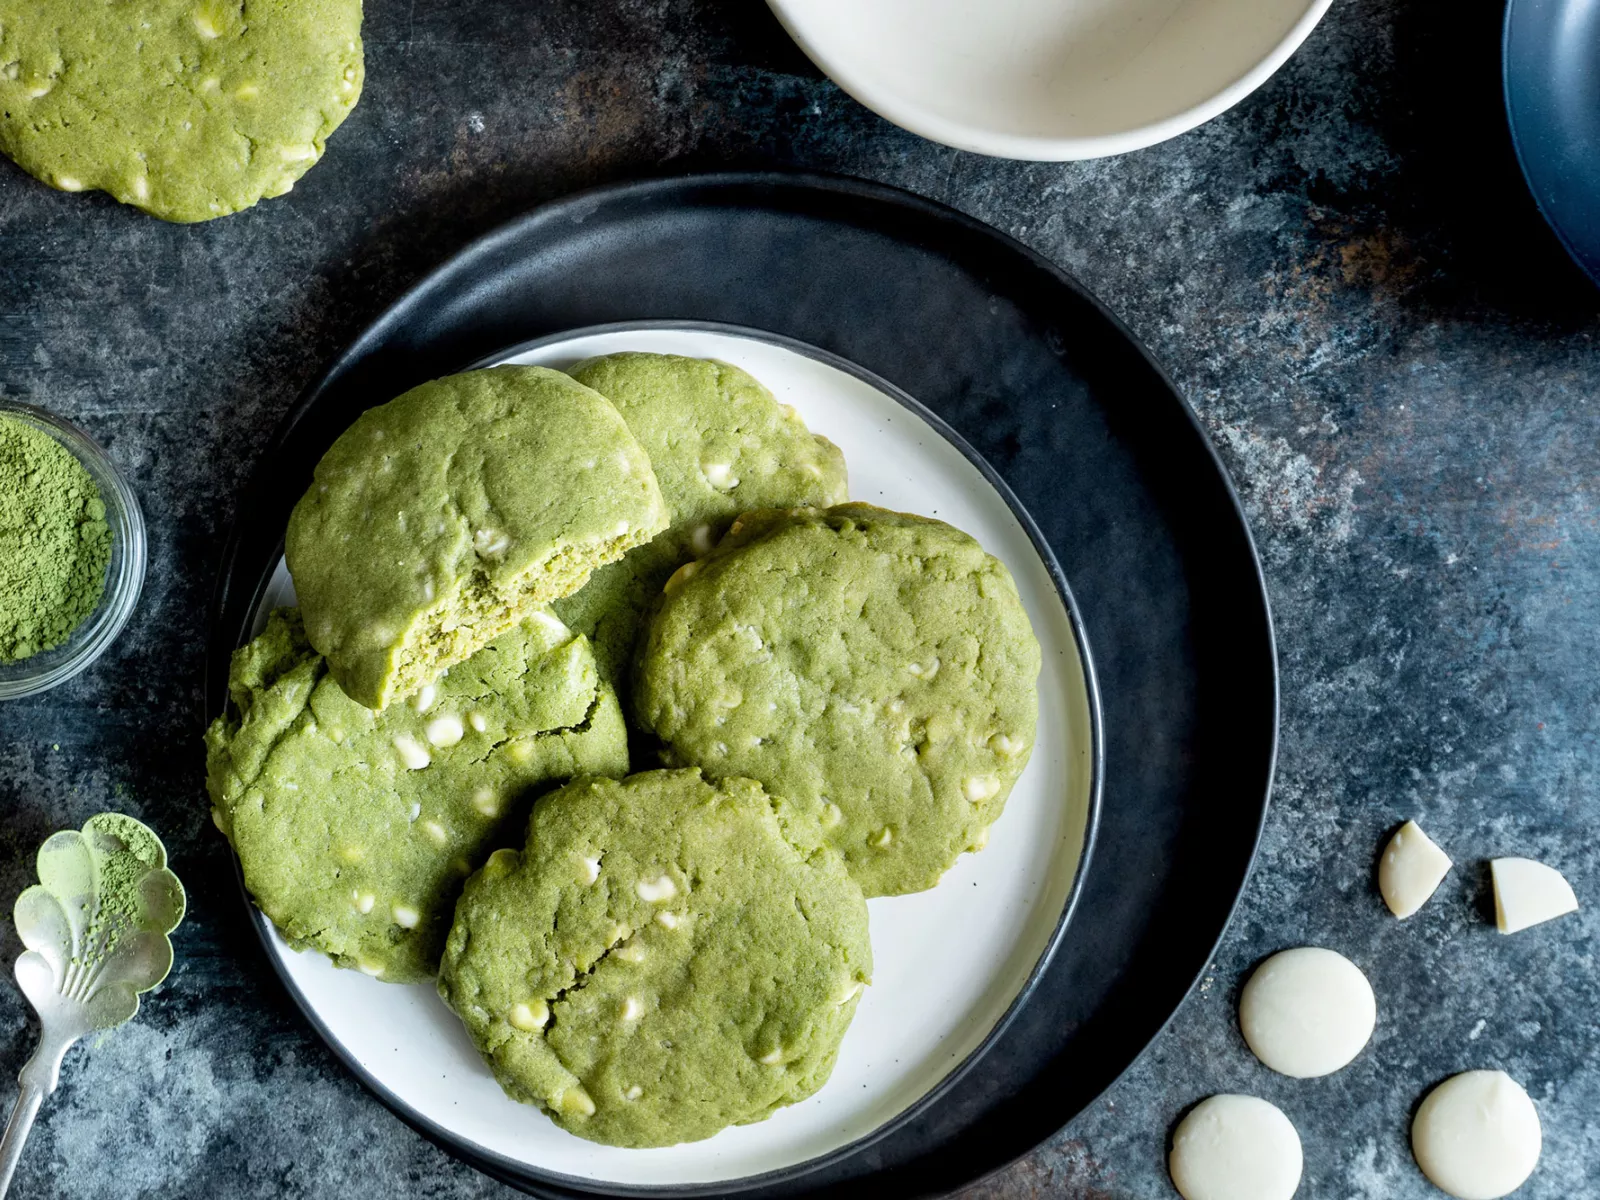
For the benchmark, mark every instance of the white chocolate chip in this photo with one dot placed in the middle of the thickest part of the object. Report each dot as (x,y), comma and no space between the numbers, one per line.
(883,838)
(445,731)
(550,623)
(478,721)
(832,814)
(210,84)
(416,811)
(247,91)
(719,475)
(772,1057)
(486,802)
(40,89)
(981,840)
(633,952)
(1411,870)
(68,184)
(925,670)
(297,153)
(680,577)
(980,788)
(576,1100)
(370,968)
(700,541)
(405,917)
(530,1018)
(633,1093)
(490,543)
(436,831)
(1007,746)
(591,870)
(1528,893)
(204,26)
(413,755)
(423,700)
(632,1009)
(363,901)
(656,891)
(667,920)
(1477,1135)
(622,528)
(851,991)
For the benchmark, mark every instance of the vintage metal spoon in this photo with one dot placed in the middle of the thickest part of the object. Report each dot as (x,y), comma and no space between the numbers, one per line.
(95,927)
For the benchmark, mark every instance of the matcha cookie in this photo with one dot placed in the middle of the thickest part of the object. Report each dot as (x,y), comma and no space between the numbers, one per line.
(188,109)
(439,519)
(356,829)
(720,444)
(667,957)
(876,667)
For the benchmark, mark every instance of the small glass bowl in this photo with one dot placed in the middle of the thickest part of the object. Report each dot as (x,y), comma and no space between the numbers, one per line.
(124,575)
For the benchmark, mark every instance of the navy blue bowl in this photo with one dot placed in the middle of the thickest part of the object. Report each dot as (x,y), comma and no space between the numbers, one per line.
(1550,57)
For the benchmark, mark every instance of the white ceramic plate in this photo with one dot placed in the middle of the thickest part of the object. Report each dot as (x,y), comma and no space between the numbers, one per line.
(1049,79)
(949,962)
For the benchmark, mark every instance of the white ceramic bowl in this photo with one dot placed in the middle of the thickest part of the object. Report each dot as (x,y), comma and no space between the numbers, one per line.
(1049,79)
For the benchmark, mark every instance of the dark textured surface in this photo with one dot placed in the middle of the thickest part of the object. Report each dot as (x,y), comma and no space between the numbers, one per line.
(1343,275)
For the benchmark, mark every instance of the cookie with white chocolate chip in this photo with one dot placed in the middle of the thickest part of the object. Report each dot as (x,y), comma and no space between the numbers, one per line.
(188,109)
(438,520)
(720,444)
(666,957)
(876,667)
(356,829)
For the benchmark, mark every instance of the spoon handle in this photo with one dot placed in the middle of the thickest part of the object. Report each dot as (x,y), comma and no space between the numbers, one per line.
(22,1114)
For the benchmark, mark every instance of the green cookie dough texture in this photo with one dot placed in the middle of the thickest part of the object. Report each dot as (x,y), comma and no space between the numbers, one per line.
(667,957)
(357,829)
(439,519)
(720,444)
(188,109)
(875,666)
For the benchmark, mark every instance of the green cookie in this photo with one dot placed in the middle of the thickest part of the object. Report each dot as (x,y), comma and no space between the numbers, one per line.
(667,957)
(188,109)
(874,666)
(438,520)
(356,829)
(720,444)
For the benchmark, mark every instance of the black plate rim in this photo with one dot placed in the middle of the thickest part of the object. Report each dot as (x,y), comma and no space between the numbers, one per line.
(1506,91)
(572,206)
(512,1170)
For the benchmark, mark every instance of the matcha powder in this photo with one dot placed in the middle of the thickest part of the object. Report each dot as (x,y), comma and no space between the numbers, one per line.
(55,544)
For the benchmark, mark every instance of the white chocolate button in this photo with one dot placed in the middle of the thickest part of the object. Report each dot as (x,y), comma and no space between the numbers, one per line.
(1411,870)
(1477,1135)
(1235,1148)
(412,755)
(1528,893)
(1307,1012)
(445,731)
(655,891)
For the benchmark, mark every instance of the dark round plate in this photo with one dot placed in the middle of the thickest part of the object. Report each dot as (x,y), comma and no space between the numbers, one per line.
(1550,60)
(1099,448)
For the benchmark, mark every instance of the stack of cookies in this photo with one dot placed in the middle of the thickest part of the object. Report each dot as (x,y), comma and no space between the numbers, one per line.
(518,578)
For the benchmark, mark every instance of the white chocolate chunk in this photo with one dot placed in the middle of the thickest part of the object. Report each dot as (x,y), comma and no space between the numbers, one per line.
(445,731)
(925,670)
(423,700)
(247,91)
(1411,870)
(633,1093)
(832,814)
(416,810)
(551,623)
(370,968)
(667,920)
(656,891)
(575,1100)
(851,991)
(981,788)
(405,917)
(291,153)
(632,1009)
(1307,1012)
(1234,1147)
(1477,1135)
(478,721)
(436,831)
(413,755)
(1006,746)
(680,577)
(205,27)
(591,870)
(530,1018)
(772,1057)
(883,838)
(490,543)
(363,901)
(486,802)
(701,541)
(633,952)
(719,475)
(1528,893)
(68,183)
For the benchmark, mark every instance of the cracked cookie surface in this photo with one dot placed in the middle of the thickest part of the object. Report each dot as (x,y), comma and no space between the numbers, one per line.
(187,109)
(437,520)
(666,957)
(874,667)
(720,444)
(356,829)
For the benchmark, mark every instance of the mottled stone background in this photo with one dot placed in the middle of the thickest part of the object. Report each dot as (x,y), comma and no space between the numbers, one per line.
(1343,275)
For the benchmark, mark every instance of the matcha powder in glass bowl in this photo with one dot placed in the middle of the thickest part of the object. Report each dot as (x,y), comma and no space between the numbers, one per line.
(55,544)
(72,550)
